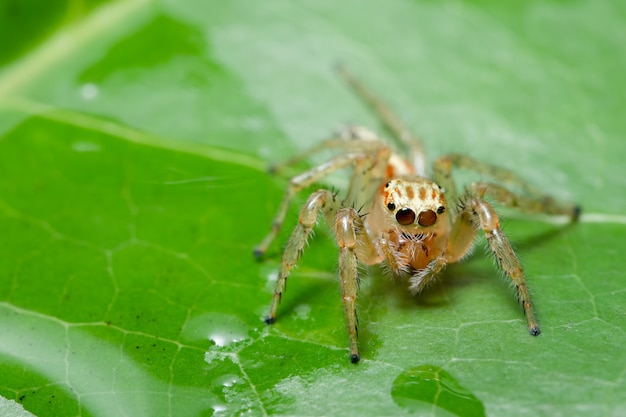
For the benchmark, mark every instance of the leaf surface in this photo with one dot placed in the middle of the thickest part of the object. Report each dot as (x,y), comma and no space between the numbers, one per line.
(134,138)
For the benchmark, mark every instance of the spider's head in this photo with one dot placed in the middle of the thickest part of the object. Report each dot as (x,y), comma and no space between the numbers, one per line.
(413,206)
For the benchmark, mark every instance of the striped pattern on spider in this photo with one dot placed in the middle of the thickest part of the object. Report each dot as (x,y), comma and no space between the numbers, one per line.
(414,225)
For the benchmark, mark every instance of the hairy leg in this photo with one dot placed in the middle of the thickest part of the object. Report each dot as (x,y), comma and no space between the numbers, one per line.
(300,182)
(480,213)
(472,212)
(319,200)
(390,121)
(540,204)
(350,139)
(348,225)
(528,199)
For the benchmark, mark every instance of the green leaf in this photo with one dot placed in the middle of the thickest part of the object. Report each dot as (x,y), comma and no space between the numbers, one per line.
(134,137)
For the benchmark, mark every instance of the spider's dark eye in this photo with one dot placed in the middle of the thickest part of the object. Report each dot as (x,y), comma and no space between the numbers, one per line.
(405,216)
(427,218)
(391,206)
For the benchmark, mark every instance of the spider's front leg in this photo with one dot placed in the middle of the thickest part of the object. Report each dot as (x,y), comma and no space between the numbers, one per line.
(473,211)
(351,237)
(319,200)
(349,228)
(479,212)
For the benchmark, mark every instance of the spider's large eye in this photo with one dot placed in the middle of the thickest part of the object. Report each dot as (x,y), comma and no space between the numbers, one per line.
(405,216)
(427,218)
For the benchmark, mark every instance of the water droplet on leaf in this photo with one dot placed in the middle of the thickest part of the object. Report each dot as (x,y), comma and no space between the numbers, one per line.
(221,329)
(418,388)
(89,91)
(82,146)
(303,311)
(227,380)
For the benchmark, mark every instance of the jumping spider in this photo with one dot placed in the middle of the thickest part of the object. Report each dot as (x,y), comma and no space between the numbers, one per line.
(414,225)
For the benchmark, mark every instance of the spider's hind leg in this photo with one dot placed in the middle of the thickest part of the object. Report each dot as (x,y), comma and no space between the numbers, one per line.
(389,119)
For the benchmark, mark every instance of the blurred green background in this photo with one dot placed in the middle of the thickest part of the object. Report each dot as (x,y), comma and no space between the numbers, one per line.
(134,137)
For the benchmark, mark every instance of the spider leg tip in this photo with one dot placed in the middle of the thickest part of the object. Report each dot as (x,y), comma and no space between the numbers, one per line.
(258,253)
(534,331)
(576,211)
(270,320)
(355,358)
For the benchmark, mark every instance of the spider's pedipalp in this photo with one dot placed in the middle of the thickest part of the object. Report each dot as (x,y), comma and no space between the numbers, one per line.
(425,277)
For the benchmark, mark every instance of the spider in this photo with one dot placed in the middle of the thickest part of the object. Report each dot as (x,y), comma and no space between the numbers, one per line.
(413,224)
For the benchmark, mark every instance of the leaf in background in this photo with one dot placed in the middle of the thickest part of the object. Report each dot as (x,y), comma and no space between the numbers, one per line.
(133,139)
(24,23)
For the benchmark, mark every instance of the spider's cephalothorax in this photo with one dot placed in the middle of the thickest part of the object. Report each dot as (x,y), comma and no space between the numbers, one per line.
(410,214)
(412,224)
